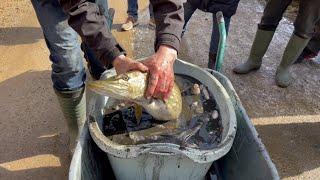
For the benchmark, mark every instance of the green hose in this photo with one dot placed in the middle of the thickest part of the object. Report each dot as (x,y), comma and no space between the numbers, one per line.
(222,41)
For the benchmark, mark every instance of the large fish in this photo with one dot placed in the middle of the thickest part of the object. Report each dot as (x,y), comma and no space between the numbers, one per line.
(131,86)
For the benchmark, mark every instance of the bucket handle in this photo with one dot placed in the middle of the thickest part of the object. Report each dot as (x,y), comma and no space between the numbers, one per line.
(162,151)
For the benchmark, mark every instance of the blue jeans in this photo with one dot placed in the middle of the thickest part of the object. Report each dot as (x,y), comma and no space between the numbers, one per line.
(133,9)
(68,72)
(214,43)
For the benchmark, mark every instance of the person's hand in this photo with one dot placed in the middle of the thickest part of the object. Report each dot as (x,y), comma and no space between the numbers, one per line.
(161,76)
(123,64)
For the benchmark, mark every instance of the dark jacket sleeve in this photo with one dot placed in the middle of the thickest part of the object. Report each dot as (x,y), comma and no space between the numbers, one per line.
(87,20)
(228,7)
(169,17)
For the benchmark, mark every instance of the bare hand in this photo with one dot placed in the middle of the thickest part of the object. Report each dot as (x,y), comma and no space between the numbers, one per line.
(161,76)
(123,64)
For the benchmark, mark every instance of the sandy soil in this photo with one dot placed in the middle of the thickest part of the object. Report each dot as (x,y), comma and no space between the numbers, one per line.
(33,134)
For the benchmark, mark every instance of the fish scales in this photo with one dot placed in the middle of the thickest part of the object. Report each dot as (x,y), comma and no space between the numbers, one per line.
(131,86)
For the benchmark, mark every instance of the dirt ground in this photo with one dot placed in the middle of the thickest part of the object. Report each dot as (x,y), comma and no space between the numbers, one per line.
(33,134)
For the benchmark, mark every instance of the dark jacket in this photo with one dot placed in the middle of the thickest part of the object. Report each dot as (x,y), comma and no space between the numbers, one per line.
(228,7)
(86,19)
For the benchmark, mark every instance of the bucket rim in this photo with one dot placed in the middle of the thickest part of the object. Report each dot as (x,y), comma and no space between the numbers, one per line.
(197,155)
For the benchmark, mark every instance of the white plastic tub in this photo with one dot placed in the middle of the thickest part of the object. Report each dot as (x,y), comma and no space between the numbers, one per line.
(165,160)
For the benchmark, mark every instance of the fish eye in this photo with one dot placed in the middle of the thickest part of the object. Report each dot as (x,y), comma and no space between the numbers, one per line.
(125,77)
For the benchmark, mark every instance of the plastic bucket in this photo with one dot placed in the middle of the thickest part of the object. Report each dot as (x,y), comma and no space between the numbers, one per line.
(165,160)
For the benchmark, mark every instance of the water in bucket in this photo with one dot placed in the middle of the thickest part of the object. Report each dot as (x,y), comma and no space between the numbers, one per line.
(199,125)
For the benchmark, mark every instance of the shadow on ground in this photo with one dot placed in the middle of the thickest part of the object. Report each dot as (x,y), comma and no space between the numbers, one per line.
(33,135)
(296,148)
(20,35)
(36,173)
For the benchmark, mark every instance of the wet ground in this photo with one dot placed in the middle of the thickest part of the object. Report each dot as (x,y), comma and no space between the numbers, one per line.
(33,134)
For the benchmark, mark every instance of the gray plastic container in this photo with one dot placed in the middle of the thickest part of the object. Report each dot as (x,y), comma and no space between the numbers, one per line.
(165,160)
(248,158)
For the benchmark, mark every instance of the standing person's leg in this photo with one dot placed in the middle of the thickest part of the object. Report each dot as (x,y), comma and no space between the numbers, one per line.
(68,73)
(132,12)
(189,9)
(314,43)
(133,8)
(152,23)
(104,8)
(94,65)
(313,47)
(151,11)
(271,17)
(304,25)
(215,36)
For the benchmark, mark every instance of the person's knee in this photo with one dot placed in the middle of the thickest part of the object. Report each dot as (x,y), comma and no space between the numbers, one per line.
(68,76)
(69,60)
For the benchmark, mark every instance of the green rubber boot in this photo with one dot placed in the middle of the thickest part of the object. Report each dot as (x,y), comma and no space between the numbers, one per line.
(73,105)
(258,49)
(294,48)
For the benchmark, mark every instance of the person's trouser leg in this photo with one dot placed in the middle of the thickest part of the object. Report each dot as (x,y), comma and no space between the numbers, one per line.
(152,21)
(215,36)
(307,17)
(189,9)
(313,47)
(68,73)
(133,9)
(271,17)
(314,44)
(151,11)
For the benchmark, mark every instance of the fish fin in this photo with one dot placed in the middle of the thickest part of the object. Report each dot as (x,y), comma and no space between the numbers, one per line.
(138,112)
